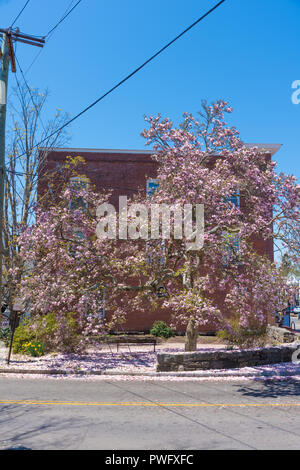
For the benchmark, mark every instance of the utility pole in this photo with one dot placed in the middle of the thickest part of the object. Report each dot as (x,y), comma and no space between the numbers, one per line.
(3,97)
(7,56)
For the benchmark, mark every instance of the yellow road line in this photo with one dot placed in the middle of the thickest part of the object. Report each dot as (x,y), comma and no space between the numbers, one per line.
(141,404)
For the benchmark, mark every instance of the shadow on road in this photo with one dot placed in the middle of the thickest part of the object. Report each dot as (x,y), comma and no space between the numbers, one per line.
(21,426)
(271,388)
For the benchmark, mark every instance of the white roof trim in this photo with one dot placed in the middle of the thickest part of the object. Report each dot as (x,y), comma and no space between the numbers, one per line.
(89,150)
(272,148)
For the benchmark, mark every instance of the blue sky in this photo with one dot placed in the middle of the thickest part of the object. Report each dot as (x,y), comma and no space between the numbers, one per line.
(247,52)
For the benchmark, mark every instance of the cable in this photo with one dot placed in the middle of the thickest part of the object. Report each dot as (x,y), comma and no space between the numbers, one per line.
(20,13)
(128,76)
(28,88)
(8,182)
(50,33)
(19,87)
(64,17)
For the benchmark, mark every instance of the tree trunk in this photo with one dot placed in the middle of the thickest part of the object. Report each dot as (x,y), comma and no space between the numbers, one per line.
(191,335)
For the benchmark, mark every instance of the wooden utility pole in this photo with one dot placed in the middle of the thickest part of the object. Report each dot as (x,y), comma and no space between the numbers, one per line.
(3,97)
(7,56)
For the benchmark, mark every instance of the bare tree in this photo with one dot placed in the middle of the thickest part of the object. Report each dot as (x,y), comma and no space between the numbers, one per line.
(24,161)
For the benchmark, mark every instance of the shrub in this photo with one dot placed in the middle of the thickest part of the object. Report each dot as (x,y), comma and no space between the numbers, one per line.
(5,335)
(67,335)
(33,331)
(160,328)
(34,348)
(45,330)
(23,334)
(243,337)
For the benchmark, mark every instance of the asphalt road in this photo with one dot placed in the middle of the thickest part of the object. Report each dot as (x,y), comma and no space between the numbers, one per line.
(76,414)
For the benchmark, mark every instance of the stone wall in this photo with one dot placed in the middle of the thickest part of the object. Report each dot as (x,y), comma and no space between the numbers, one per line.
(223,359)
(282,334)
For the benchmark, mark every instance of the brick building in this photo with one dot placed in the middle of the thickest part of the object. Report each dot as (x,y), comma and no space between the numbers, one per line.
(125,172)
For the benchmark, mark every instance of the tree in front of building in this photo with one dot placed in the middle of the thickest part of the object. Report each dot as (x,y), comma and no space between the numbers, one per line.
(205,162)
(69,277)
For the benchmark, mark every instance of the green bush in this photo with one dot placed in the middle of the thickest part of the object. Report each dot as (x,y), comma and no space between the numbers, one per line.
(70,335)
(5,335)
(160,328)
(63,336)
(34,348)
(254,336)
(44,330)
(23,334)
(39,330)
(46,327)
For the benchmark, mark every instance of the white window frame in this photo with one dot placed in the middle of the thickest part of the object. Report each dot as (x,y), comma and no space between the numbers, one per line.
(83,181)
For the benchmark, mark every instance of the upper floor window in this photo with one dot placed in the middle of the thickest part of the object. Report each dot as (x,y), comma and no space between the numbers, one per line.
(151,186)
(78,182)
(234,199)
(231,241)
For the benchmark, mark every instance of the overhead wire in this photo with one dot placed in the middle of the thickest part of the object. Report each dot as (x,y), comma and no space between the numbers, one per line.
(51,31)
(30,93)
(20,13)
(129,75)
(63,18)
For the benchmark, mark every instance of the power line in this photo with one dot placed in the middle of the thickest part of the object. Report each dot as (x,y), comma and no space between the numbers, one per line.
(63,18)
(50,33)
(20,13)
(128,76)
(29,90)
(9,183)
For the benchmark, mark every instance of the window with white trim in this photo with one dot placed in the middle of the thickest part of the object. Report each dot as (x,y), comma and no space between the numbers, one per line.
(151,186)
(78,182)
(232,239)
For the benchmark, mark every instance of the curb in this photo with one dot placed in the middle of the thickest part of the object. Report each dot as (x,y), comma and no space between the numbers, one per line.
(148,374)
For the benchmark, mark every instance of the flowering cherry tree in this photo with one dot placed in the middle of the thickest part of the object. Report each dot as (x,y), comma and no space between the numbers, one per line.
(70,272)
(205,162)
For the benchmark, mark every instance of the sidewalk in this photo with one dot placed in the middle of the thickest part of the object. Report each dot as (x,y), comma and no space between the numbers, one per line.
(134,362)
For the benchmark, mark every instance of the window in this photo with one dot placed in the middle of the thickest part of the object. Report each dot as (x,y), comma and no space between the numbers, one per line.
(102,310)
(231,244)
(149,255)
(151,186)
(78,182)
(231,240)
(234,199)
(161,291)
(99,295)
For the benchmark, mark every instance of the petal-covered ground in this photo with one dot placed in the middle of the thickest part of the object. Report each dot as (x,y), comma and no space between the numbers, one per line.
(133,359)
(129,358)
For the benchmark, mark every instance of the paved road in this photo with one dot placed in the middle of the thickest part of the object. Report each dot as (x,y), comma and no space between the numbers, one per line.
(75,414)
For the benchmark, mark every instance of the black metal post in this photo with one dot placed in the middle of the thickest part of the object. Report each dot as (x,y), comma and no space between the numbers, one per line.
(12,335)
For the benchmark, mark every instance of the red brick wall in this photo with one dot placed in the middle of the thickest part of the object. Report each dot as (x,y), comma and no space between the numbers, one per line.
(125,173)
